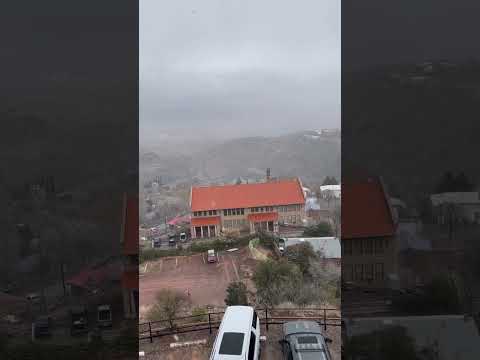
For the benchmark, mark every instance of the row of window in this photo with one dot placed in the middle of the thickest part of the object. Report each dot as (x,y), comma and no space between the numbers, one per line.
(291,219)
(229,212)
(261,209)
(363,272)
(364,246)
(235,223)
(205,213)
(287,208)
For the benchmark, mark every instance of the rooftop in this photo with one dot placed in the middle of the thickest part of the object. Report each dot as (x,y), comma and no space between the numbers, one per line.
(280,192)
(365,210)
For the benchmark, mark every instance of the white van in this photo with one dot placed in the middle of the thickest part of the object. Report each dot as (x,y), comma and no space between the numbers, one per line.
(238,337)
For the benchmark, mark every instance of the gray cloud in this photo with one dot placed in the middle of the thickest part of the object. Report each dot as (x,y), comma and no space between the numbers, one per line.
(239,67)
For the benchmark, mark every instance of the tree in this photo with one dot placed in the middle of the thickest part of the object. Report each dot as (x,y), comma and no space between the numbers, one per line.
(271,279)
(168,304)
(236,294)
(319,230)
(330,181)
(301,255)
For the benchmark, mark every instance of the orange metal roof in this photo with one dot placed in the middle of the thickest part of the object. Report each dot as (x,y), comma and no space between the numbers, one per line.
(365,210)
(281,192)
(263,217)
(205,221)
(130,245)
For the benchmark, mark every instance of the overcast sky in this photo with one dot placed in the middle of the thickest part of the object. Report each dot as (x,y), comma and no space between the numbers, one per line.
(239,68)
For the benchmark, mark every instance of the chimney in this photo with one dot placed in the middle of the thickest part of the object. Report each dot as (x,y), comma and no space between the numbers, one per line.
(268,174)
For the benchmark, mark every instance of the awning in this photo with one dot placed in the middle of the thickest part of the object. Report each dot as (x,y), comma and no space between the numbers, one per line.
(206,221)
(272,216)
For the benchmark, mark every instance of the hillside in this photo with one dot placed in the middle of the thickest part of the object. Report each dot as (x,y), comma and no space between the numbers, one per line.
(303,154)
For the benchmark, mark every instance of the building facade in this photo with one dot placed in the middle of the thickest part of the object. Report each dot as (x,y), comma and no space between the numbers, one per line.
(246,207)
(369,246)
(130,263)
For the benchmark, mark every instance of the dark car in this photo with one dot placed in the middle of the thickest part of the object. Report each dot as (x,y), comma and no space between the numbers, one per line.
(303,340)
(42,326)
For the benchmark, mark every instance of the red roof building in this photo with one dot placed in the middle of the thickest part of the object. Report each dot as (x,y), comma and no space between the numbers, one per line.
(248,207)
(369,251)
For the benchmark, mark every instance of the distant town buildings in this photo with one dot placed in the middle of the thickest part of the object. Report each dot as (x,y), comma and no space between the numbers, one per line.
(456,206)
(330,191)
(246,207)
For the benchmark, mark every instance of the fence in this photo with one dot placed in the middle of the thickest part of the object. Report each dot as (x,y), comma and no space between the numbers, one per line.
(211,320)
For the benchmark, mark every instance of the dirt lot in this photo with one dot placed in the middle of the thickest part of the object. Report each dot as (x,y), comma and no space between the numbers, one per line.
(206,282)
(160,348)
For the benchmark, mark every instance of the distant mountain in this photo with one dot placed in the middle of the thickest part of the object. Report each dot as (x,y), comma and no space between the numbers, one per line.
(305,154)
(411,123)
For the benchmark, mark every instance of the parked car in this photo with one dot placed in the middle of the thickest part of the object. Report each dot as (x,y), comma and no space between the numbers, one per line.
(304,340)
(104,316)
(238,336)
(211,257)
(42,326)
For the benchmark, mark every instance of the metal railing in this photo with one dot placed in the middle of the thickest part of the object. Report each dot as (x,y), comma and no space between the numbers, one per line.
(210,321)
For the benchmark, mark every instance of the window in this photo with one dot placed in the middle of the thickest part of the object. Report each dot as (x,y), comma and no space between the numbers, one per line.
(368,243)
(358,272)
(379,271)
(229,212)
(358,245)
(251,347)
(242,211)
(232,343)
(347,272)
(347,245)
(378,246)
(254,321)
(368,271)
(224,212)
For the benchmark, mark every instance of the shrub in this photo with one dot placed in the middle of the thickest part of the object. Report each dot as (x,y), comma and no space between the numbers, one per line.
(319,230)
(200,314)
(168,304)
(236,294)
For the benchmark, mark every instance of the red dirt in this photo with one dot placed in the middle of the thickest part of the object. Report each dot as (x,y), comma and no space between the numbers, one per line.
(206,282)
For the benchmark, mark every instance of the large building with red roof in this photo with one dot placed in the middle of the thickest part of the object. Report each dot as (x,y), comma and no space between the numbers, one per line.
(246,207)
(369,250)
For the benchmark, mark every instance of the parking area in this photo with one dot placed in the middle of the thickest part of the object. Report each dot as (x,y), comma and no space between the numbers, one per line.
(271,350)
(204,283)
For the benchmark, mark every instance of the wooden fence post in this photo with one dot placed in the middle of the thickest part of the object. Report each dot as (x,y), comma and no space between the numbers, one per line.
(266,317)
(325,319)
(209,323)
(150,331)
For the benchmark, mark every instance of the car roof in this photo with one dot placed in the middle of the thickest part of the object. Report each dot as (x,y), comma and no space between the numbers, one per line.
(237,319)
